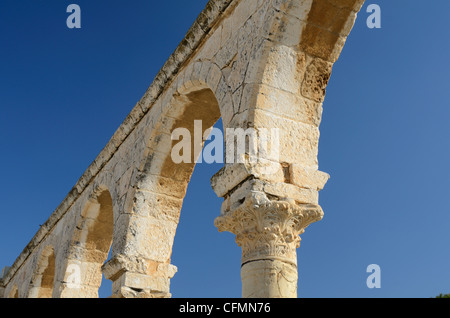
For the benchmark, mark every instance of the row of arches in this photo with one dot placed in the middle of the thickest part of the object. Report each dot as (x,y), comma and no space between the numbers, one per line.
(275,79)
(151,217)
(76,271)
(89,247)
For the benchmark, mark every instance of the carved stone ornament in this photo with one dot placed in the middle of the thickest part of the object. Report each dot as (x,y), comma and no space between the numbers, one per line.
(269,230)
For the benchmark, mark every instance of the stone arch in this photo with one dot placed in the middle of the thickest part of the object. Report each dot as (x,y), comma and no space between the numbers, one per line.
(14,293)
(43,279)
(200,90)
(89,247)
(200,93)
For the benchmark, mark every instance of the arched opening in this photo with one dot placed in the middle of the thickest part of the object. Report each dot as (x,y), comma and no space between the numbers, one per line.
(201,112)
(163,183)
(42,282)
(194,113)
(90,247)
(198,242)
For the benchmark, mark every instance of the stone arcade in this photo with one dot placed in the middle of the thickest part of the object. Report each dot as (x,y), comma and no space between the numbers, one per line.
(253,63)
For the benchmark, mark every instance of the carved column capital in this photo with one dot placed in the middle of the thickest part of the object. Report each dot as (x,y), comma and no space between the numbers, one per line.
(269,230)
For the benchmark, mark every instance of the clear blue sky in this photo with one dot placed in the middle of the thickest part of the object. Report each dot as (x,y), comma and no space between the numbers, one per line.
(384,141)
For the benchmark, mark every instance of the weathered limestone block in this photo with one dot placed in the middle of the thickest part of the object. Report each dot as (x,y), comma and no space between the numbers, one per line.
(251,183)
(232,175)
(66,290)
(283,103)
(298,142)
(318,74)
(139,278)
(308,178)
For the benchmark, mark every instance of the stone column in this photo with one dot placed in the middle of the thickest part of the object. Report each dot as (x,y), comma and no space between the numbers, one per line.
(268,234)
(267,219)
